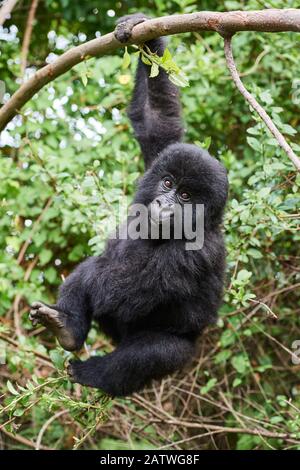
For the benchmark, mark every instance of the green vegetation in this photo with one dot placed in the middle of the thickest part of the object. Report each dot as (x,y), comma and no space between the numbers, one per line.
(66,161)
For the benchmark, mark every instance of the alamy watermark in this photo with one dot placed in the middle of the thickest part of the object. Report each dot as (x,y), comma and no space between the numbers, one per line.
(2,91)
(154,222)
(296,91)
(296,353)
(2,353)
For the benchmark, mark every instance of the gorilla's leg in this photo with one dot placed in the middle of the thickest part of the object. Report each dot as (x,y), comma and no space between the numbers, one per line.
(138,359)
(70,318)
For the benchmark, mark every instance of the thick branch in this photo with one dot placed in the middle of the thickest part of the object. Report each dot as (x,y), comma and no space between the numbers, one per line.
(6,10)
(228,22)
(256,106)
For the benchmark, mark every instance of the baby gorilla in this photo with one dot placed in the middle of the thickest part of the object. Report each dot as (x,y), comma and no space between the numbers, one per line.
(153,297)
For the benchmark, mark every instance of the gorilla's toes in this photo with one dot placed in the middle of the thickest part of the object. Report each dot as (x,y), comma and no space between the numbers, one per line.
(76,372)
(56,322)
(70,372)
(45,315)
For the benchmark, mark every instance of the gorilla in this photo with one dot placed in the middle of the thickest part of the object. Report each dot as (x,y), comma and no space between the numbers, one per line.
(152,296)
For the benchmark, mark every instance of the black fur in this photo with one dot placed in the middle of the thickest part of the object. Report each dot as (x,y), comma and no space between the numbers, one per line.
(153,297)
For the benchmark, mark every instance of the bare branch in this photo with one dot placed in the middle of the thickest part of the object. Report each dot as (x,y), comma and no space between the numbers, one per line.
(6,10)
(22,440)
(255,105)
(45,426)
(27,35)
(227,22)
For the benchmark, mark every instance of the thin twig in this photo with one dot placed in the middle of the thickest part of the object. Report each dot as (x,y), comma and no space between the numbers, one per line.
(255,105)
(35,353)
(18,298)
(43,429)
(22,440)
(256,63)
(33,230)
(270,312)
(27,35)
(6,10)
(163,417)
(254,432)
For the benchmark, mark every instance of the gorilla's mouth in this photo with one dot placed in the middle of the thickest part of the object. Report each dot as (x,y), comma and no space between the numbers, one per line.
(161,217)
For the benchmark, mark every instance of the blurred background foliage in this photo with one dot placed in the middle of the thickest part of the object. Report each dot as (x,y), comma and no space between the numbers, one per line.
(65,162)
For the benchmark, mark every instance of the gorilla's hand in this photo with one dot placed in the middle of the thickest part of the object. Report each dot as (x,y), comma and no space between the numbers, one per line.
(126,24)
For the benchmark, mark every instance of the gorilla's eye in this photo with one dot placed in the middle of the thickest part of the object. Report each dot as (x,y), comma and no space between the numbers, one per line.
(168,183)
(185,196)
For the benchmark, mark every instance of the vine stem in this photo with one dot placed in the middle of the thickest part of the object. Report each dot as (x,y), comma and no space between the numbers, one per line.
(255,105)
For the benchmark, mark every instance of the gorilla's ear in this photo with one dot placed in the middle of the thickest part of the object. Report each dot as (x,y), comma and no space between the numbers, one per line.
(215,204)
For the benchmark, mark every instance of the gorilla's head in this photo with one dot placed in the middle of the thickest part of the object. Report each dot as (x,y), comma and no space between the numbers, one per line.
(184,174)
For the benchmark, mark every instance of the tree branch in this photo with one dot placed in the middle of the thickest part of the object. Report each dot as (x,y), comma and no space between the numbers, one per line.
(27,35)
(6,10)
(255,105)
(228,22)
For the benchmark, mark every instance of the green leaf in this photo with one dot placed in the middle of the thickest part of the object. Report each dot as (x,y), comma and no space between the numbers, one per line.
(254,253)
(276,419)
(145,60)
(222,356)
(206,388)
(166,56)
(254,143)
(240,363)
(126,59)
(243,276)
(227,338)
(287,129)
(51,275)
(266,97)
(180,80)
(84,78)
(205,144)
(18,412)
(154,70)
(263,193)
(11,388)
(45,256)
(237,381)
(247,442)
(57,358)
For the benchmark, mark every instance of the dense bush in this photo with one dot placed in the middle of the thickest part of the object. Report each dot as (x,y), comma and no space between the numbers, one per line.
(65,162)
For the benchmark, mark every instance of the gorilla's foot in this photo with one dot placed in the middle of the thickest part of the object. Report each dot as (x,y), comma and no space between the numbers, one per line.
(126,24)
(56,322)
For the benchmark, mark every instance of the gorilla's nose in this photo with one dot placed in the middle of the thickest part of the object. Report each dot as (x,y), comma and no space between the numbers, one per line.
(161,210)
(164,205)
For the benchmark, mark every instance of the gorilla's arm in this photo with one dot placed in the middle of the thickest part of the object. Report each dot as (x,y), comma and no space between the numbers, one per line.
(155,109)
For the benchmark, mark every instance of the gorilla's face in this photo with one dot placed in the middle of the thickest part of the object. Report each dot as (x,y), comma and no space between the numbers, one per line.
(183,175)
(170,196)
